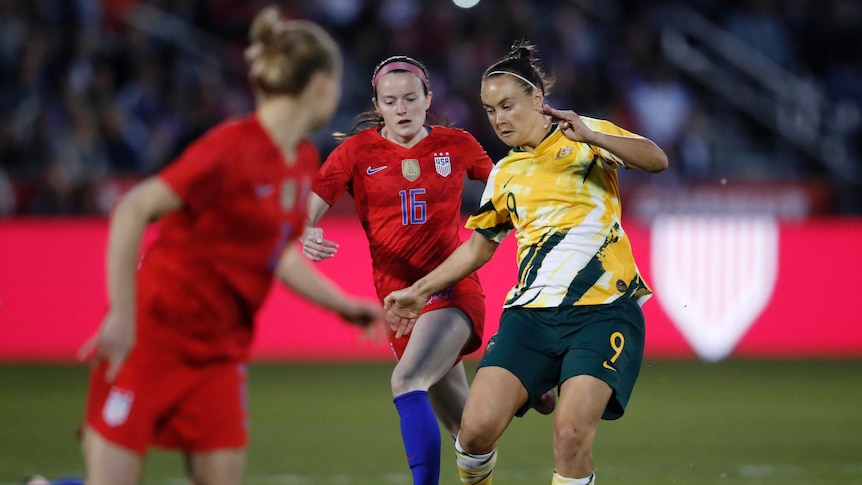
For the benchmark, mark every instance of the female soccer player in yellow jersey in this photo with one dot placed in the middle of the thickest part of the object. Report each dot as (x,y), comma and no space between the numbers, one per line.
(573,319)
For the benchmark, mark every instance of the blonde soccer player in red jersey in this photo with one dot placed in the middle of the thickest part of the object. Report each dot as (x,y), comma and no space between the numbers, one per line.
(406,178)
(171,353)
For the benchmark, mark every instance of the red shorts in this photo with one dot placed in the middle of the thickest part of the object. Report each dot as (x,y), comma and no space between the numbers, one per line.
(161,401)
(467,296)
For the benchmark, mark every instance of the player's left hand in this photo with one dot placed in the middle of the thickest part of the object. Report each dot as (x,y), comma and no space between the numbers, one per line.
(570,123)
(402,310)
(113,341)
(361,313)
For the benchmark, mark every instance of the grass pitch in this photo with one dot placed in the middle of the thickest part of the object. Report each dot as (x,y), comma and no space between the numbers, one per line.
(734,422)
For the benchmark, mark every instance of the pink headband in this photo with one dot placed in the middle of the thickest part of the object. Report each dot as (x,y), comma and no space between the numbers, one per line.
(399,66)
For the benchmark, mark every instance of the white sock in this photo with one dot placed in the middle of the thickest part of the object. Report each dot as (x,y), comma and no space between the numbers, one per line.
(474,469)
(561,480)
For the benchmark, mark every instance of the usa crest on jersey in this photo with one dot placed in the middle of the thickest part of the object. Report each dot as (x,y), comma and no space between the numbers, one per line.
(442,163)
(117,407)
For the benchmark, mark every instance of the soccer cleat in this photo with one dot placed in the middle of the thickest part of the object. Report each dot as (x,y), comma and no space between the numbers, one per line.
(546,403)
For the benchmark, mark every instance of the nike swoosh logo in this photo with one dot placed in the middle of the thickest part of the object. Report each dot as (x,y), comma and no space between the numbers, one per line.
(608,366)
(372,171)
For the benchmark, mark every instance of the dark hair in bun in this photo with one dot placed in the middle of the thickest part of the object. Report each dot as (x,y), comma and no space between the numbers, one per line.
(523,64)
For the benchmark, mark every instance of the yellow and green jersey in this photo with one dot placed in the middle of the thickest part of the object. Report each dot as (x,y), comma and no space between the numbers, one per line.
(563,202)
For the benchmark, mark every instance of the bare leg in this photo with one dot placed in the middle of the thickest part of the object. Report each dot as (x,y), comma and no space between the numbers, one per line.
(108,463)
(435,343)
(220,467)
(582,401)
(495,397)
(448,397)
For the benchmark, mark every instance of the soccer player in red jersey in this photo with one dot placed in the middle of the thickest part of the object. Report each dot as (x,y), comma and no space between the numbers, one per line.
(406,178)
(170,354)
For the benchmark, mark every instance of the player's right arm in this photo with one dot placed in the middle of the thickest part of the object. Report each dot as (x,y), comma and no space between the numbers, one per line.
(146,202)
(333,179)
(314,247)
(633,151)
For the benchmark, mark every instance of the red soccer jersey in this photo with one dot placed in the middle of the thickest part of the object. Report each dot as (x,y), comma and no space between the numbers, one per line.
(408,199)
(209,269)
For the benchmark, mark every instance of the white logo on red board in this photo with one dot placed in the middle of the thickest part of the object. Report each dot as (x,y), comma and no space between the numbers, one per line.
(117,407)
(713,276)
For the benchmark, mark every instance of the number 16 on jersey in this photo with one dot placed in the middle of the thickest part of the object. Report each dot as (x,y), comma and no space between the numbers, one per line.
(413,210)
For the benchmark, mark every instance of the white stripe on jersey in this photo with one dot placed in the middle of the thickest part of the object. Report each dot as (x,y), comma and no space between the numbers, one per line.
(577,248)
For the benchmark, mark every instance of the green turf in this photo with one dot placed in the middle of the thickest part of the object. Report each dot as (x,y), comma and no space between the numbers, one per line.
(735,422)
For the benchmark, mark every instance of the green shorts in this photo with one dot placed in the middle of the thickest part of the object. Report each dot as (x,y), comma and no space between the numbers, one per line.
(543,347)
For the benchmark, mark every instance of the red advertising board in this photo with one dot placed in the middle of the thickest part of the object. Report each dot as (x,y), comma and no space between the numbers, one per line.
(724,287)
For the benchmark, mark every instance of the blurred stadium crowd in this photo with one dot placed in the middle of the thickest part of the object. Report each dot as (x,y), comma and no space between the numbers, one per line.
(95,94)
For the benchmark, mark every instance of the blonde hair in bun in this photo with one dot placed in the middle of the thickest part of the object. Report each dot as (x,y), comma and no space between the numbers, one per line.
(285,54)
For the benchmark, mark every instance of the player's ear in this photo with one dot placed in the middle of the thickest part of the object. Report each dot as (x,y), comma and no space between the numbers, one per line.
(317,86)
(538,98)
(428,100)
(376,108)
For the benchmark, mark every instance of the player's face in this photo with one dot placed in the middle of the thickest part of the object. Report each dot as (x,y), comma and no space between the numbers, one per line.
(402,102)
(512,111)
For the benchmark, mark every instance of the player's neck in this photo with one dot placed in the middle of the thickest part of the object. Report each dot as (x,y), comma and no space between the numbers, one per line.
(285,123)
(537,135)
(385,132)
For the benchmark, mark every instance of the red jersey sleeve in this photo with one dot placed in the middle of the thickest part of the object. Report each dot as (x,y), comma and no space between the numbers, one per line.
(334,178)
(479,163)
(197,176)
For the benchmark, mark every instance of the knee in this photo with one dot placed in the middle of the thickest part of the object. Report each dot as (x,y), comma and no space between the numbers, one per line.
(475,435)
(403,382)
(573,439)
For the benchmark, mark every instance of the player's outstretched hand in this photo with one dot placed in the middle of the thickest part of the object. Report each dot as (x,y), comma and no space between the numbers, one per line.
(571,124)
(403,308)
(361,313)
(314,247)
